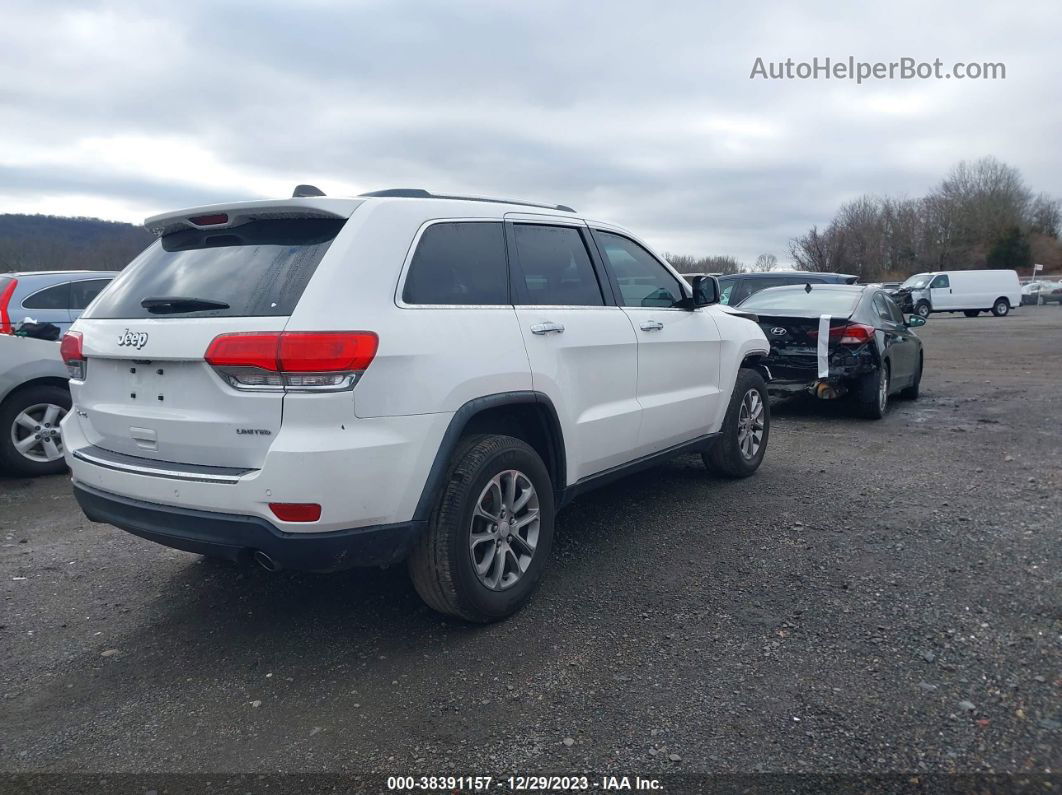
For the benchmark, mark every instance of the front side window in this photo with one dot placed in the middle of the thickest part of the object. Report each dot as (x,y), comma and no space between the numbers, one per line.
(940,281)
(459,263)
(643,281)
(57,297)
(556,266)
(726,288)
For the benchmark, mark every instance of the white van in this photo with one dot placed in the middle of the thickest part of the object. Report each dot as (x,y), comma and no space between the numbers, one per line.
(969,292)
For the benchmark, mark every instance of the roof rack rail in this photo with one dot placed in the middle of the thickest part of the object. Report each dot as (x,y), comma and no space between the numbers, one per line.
(420,193)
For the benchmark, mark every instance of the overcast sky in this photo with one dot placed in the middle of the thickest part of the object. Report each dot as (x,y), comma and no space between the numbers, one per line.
(642,113)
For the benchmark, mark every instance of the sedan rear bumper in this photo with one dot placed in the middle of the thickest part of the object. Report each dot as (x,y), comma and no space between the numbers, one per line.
(237,537)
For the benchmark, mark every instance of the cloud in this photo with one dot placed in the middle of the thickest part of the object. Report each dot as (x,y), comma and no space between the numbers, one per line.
(639,113)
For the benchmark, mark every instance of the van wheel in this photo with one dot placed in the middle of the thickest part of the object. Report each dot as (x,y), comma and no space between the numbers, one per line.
(874,394)
(1001,307)
(911,392)
(739,451)
(922,309)
(489,537)
(971,312)
(30,443)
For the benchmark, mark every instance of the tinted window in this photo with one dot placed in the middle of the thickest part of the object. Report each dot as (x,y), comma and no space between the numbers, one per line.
(258,269)
(881,308)
(940,281)
(726,288)
(894,311)
(82,293)
(57,297)
(642,280)
(556,266)
(459,263)
(824,301)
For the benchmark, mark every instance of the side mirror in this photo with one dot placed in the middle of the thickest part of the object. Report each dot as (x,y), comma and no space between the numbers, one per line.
(705,291)
(914,321)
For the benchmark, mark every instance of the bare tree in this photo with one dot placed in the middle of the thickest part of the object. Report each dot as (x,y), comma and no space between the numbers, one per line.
(765,263)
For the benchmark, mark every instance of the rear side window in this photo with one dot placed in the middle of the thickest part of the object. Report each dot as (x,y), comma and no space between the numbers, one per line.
(556,266)
(57,297)
(258,269)
(642,280)
(459,263)
(82,293)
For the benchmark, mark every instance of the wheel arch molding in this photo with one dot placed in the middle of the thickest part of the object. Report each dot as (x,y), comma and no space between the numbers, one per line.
(523,414)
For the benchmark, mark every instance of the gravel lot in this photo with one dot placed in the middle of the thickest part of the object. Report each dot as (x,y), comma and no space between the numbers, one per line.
(882,596)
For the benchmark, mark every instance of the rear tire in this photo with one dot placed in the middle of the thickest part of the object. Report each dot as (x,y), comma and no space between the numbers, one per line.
(30,444)
(874,394)
(454,563)
(972,312)
(911,392)
(739,451)
(922,309)
(1001,307)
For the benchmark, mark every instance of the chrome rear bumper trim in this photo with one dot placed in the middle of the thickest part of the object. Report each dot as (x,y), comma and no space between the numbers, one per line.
(159,469)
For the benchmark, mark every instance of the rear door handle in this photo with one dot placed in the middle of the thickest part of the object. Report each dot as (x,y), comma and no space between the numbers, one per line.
(549,327)
(652,325)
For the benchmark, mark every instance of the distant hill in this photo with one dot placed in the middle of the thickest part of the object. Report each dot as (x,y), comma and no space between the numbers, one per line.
(46,242)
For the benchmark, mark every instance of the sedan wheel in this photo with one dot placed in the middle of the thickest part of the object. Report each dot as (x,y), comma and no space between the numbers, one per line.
(35,432)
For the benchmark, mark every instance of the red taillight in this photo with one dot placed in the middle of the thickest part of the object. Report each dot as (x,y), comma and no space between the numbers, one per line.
(850,334)
(307,360)
(71,352)
(296,511)
(210,220)
(5,300)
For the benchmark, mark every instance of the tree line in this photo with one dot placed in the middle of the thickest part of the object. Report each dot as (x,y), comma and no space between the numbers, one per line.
(47,242)
(982,215)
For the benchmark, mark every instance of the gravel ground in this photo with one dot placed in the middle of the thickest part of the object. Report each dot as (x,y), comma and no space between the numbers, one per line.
(882,596)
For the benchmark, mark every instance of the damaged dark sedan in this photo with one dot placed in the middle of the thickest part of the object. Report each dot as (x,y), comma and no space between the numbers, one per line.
(835,341)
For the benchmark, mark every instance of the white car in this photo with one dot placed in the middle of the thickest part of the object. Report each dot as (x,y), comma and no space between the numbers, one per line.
(33,399)
(319,383)
(970,292)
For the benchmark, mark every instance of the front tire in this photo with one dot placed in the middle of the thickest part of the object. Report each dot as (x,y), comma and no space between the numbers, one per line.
(739,451)
(1001,308)
(489,537)
(911,392)
(922,309)
(30,443)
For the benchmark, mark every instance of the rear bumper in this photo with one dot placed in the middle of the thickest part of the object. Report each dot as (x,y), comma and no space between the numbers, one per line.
(800,374)
(237,537)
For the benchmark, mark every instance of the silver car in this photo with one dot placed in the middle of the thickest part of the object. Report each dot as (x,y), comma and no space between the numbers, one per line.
(57,297)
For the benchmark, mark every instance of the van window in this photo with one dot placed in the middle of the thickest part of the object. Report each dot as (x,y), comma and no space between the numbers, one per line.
(940,281)
(259,269)
(459,263)
(57,297)
(642,280)
(556,266)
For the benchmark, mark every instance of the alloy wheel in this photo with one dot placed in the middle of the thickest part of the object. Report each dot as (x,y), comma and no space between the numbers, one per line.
(750,424)
(35,432)
(503,533)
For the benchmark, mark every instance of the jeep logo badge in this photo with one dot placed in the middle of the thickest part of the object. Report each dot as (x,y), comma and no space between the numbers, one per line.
(133,339)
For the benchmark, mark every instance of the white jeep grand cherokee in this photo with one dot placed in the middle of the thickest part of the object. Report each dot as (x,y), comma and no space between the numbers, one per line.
(320,383)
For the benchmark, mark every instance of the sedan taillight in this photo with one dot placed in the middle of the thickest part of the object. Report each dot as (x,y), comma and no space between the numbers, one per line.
(849,334)
(292,361)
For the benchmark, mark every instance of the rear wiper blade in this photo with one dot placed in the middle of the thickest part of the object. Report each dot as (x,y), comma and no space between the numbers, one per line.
(172,304)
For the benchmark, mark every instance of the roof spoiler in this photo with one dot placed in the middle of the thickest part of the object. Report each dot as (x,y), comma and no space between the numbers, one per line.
(227,216)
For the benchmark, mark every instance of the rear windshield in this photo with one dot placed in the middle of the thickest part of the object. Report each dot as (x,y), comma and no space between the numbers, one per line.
(797,299)
(258,269)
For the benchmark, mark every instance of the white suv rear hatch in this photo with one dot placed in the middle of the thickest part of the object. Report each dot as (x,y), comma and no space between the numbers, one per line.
(148,391)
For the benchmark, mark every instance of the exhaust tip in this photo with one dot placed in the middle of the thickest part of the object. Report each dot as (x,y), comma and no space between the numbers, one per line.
(266,562)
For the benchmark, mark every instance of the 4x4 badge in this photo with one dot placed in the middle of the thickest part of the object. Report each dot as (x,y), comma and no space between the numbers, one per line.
(133,339)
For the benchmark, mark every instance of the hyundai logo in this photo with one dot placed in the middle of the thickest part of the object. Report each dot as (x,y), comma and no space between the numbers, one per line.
(132,339)
(778,331)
